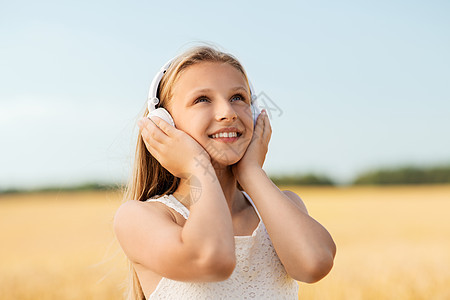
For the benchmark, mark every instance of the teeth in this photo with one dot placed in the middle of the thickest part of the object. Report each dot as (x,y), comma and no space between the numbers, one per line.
(224,134)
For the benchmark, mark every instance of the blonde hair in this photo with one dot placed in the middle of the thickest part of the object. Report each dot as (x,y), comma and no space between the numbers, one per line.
(149,178)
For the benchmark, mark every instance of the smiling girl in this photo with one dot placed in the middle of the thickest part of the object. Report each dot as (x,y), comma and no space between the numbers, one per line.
(202,219)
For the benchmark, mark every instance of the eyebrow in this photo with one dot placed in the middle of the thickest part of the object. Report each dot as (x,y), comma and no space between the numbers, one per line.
(205,90)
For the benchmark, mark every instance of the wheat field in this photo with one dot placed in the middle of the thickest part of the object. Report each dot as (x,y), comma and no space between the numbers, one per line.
(393,243)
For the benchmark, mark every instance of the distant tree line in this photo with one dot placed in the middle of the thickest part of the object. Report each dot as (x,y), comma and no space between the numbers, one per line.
(299,179)
(383,176)
(91,186)
(405,175)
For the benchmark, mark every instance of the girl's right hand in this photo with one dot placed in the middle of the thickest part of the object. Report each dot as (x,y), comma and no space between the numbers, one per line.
(175,150)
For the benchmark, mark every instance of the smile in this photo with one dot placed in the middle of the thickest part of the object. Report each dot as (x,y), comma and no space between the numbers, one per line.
(225,135)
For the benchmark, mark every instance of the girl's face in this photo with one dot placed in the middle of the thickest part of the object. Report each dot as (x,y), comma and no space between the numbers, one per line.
(208,98)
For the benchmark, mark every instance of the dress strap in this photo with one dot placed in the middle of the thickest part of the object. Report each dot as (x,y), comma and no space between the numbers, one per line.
(254,206)
(172,202)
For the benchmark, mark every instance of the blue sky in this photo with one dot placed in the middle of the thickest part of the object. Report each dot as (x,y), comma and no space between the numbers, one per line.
(359,84)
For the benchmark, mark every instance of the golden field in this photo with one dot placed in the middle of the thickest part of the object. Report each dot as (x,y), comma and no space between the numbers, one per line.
(393,243)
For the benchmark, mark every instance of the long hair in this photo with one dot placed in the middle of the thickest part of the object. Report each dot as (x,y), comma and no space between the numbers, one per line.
(149,178)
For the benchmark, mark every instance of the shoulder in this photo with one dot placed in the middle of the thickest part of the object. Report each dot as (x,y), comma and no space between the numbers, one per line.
(139,225)
(296,200)
(133,212)
(130,208)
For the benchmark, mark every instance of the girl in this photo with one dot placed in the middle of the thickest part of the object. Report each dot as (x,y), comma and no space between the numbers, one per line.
(208,223)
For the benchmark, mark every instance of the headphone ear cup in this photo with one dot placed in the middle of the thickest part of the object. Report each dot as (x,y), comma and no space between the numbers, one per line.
(163,114)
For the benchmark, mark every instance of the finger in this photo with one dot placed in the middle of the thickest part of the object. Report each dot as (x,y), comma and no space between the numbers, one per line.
(259,121)
(167,128)
(259,127)
(267,127)
(153,147)
(151,132)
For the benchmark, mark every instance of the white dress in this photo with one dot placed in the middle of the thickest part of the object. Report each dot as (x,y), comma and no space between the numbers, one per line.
(258,274)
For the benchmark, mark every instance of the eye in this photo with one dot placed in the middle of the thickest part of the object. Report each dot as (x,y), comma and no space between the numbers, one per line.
(238,97)
(201,99)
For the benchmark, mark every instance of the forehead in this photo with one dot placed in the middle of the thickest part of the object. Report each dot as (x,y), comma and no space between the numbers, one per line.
(211,75)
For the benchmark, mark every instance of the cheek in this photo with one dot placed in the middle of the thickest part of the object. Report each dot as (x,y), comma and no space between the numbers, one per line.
(193,130)
(247,119)
(182,121)
(191,126)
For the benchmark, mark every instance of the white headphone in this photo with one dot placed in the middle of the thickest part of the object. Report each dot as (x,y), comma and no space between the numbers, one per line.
(162,113)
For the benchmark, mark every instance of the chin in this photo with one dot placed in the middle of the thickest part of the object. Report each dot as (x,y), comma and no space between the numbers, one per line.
(225,160)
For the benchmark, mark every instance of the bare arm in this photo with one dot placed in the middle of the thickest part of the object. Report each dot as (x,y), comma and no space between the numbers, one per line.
(304,246)
(201,250)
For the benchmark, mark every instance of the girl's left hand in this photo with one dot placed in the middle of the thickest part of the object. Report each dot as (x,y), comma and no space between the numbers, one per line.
(257,149)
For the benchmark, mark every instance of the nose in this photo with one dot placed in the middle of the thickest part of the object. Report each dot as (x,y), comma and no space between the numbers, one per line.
(225,111)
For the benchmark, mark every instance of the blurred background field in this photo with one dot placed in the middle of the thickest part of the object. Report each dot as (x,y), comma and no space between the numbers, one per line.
(393,243)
